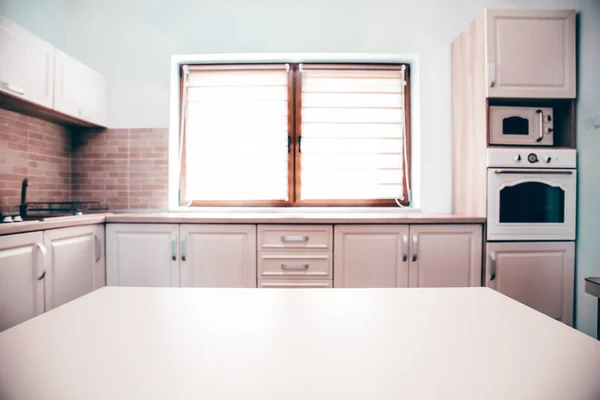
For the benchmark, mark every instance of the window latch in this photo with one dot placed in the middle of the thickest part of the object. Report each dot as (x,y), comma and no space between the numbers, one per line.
(299,144)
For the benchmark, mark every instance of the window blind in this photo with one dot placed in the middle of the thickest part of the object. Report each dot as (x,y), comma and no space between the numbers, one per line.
(236,129)
(352,129)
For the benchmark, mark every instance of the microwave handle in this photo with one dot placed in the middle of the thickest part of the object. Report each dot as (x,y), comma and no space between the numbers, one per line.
(520,172)
(541,135)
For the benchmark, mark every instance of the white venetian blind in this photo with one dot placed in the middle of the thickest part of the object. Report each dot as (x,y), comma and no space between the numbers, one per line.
(236,128)
(352,132)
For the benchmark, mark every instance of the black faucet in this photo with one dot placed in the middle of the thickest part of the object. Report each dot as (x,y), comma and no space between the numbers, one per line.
(23,206)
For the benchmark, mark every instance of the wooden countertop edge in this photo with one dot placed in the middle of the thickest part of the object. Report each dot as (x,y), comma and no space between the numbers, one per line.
(54,223)
(255,218)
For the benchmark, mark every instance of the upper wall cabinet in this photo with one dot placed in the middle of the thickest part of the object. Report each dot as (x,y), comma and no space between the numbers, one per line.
(26,65)
(79,91)
(530,53)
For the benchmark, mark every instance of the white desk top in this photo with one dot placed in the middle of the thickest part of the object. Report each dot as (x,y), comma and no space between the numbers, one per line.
(163,343)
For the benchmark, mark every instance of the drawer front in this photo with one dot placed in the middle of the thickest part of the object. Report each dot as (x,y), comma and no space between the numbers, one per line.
(295,237)
(298,284)
(272,265)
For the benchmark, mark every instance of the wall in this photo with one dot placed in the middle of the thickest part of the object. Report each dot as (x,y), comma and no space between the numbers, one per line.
(131,41)
(36,149)
(124,168)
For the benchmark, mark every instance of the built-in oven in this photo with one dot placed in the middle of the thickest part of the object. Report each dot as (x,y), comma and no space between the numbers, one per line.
(525,126)
(531,194)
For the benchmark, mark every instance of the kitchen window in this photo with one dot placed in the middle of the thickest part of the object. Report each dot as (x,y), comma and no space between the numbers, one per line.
(294,135)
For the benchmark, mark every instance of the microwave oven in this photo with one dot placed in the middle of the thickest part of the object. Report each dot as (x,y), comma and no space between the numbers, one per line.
(525,126)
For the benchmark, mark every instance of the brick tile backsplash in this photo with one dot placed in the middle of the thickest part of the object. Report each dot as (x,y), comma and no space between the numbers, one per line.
(125,168)
(39,150)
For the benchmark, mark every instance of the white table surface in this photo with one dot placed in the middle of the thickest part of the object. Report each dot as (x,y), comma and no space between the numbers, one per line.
(172,343)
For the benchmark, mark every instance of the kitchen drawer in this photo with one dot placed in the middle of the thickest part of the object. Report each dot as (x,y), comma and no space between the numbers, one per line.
(314,265)
(295,237)
(297,284)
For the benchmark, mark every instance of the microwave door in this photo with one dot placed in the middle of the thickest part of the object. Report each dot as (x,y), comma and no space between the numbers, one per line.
(521,126)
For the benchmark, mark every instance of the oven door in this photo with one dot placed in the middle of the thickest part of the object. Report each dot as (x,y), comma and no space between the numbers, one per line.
(531,204)
(529,126)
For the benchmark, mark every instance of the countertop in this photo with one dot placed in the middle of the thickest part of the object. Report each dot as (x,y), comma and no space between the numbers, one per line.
(242,217)
(52,223)
(193,343)
(291,217)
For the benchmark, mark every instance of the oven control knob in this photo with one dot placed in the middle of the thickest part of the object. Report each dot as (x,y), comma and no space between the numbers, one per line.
(518,158)
(547,159)
(532,158)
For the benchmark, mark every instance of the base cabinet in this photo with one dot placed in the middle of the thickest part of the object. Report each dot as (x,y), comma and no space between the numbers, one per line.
(188,255)
(370,256)
(539,275)
(218,255)
(142,255)
(21,278)
(445,255)
(74,263)
(407,256)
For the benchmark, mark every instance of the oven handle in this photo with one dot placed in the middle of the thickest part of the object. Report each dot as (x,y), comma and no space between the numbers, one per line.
(541,114)
(537,172)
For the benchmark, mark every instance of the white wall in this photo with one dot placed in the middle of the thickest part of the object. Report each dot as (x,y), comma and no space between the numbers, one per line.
(131,41)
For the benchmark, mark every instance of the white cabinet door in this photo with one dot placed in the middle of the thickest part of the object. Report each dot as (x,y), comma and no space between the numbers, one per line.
(80,91)
(26,64)
(445,255)
(21,267)
(75,263)
(218,255)
(539,275)
(530,53)
(142,255)
(374,256)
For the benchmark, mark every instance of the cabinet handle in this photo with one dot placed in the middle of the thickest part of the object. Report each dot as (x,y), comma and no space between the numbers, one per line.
(294,266)
(492,266)
(174,248)
(404,248)
(98,247)
(541,135)
(532,172)
(43,250)
(492,73)
(182,250)
(13,88)
(415,247)
(294,238)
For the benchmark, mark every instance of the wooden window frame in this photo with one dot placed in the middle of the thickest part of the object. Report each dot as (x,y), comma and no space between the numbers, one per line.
(295,155)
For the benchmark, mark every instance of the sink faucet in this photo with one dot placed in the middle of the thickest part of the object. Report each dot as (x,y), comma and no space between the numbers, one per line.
(23,206)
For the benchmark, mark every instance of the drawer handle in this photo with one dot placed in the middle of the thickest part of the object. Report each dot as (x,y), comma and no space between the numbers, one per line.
(296,239)
(294,267)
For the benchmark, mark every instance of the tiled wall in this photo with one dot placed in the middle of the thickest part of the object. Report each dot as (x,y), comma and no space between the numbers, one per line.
(125,168)
(36,149)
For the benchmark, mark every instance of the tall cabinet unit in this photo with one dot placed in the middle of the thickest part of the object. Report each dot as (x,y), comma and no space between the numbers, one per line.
(539,275)
(513,122)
